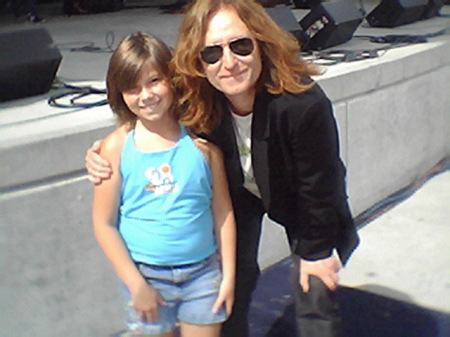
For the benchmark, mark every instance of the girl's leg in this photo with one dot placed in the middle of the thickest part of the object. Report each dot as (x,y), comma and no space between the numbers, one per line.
(207,330)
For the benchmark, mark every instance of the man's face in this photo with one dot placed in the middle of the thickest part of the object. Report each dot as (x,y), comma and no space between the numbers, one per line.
(233,74)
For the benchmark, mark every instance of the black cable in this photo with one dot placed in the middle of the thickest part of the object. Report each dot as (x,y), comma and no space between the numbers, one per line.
(110,37)
(438,33)
(348,55)
(75,94)
(333,57)
(403,38)
(83,46)
(362,9)
(336,56)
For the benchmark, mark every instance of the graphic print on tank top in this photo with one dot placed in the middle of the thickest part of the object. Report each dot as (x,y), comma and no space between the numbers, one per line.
(160,180)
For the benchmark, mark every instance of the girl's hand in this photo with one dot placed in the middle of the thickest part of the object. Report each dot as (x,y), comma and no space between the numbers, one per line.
(98,168)
(145,301)
(226,296)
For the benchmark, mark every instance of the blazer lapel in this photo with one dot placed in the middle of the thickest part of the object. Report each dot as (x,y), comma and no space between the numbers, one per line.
(224,137)
(260,136)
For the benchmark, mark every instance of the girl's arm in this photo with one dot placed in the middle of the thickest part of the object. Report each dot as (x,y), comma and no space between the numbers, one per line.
(225,228)
(105,215)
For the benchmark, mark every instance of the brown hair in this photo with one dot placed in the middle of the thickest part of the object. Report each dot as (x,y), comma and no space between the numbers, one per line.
(283,68)
(125,66)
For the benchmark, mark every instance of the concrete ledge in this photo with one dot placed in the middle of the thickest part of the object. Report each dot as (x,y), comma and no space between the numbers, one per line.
(347,80)
(49,143)
(38,141)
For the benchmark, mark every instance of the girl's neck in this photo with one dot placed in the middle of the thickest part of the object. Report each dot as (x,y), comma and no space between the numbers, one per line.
(153,137)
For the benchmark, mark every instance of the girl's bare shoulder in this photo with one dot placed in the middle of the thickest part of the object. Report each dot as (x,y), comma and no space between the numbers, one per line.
(113,143)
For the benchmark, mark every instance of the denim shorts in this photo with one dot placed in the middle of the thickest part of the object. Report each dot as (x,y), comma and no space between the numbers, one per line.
(189,291)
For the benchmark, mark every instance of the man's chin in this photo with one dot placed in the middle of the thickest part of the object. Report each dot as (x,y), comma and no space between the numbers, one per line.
(236,90)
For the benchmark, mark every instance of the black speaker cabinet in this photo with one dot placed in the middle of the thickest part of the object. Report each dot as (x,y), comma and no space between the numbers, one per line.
(432,8)
(392,13)
(284,17)
(28,63)
(331,23)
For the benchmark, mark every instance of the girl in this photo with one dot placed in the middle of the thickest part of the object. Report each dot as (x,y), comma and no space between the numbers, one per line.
(165,211)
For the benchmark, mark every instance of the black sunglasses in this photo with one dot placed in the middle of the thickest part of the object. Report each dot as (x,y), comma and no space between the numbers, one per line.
(242,47)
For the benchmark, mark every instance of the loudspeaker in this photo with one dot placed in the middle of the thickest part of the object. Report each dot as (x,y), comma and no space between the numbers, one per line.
(432,8)
(392,13)
(273,3)
(331,23)
(284,17)
(28,63)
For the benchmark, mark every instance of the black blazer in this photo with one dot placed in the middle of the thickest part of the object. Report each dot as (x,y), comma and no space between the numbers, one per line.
(295,157)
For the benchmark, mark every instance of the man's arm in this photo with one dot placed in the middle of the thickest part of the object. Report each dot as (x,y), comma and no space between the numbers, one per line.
(316,155)
(97,166)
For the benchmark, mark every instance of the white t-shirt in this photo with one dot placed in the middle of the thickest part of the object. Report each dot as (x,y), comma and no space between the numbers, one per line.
(243,129)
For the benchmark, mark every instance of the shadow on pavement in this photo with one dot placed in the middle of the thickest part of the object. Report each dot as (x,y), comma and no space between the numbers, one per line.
(364,314)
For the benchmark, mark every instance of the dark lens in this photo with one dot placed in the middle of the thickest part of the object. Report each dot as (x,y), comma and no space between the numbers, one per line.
(211,54)
(242,46)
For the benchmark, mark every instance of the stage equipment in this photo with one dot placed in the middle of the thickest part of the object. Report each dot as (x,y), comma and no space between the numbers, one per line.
(432,8)
(273,3)
(284,17)
(392,13)
(306,3)
(28,63)
(330,24)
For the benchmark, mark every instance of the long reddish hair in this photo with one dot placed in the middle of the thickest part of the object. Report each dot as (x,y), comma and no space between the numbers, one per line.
(283,68)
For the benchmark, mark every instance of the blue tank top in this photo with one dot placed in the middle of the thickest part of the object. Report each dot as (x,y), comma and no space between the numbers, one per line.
(165,212)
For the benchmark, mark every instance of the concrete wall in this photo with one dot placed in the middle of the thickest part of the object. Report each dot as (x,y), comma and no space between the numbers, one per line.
(393,116)
(55,280)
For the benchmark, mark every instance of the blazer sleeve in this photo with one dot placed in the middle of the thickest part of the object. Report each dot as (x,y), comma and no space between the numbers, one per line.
(318,174)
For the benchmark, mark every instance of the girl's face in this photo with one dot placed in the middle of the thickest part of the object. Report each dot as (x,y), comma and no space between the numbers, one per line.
(152,97)
(233,74)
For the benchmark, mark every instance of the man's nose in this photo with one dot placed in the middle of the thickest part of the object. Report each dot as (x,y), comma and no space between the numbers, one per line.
(228,58)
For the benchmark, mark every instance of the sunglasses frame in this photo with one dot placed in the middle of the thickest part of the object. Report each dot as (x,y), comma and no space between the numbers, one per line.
(218,48)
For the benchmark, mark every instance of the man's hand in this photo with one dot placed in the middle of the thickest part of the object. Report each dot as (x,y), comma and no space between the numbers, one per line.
(326,270)
(98,168)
